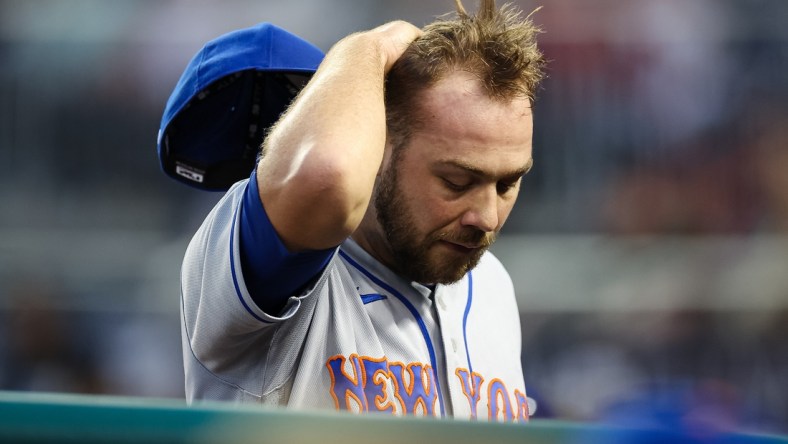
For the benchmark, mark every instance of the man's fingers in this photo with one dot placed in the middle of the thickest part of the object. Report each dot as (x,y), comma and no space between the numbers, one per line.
(395,37)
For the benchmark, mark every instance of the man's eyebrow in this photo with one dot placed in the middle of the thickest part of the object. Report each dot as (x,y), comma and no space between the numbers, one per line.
(516,174)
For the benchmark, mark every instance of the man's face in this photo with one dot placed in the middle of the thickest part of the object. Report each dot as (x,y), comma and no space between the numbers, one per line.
(444,197)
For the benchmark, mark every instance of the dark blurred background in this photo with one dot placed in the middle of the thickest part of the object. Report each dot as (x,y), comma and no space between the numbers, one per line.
(649,246)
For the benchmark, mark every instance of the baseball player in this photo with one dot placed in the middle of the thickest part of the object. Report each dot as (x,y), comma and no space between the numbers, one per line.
(350,271)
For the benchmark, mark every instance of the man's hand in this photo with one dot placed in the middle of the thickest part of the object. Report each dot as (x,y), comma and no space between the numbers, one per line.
(394,38)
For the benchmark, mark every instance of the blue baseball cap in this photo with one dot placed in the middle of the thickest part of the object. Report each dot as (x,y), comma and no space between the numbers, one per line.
(231,92)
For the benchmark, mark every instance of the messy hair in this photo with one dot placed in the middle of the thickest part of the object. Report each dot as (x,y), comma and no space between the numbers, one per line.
(497,45)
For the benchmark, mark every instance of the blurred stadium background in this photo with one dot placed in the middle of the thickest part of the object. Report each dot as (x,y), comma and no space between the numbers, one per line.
(649,247)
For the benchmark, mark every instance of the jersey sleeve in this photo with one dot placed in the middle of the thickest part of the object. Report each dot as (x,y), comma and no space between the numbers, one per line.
(225,333)
(217,302)
(271,272)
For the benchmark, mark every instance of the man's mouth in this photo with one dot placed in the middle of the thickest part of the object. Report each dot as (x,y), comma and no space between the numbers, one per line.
(462,248)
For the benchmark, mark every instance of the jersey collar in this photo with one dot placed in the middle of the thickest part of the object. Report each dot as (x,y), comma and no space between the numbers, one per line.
(361,256)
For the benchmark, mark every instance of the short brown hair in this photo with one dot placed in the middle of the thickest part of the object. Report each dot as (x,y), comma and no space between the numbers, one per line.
(496,44)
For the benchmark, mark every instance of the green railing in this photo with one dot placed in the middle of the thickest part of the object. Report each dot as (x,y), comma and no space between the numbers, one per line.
(55,418)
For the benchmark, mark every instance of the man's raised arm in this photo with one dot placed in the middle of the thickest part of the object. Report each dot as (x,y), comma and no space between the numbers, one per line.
(320,160)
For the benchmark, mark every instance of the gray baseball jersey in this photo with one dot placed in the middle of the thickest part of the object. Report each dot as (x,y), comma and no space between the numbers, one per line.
(359,338)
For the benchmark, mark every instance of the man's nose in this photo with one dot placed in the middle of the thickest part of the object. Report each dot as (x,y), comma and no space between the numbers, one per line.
(482,211)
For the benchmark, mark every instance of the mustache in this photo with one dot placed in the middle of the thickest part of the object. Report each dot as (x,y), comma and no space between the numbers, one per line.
(468,237)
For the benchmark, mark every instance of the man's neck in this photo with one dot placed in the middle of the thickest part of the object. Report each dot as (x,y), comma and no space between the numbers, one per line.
(374,242)
(369,236)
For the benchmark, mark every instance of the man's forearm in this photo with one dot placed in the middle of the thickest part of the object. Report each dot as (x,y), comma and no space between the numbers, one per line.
(321,159)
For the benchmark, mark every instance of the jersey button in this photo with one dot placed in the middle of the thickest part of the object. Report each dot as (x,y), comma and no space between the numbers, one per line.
(454,345)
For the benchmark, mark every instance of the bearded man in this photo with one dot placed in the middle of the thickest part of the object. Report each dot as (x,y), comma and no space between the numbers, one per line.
(351,271)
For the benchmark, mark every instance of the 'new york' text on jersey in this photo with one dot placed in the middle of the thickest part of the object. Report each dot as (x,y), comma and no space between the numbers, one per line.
(360,338)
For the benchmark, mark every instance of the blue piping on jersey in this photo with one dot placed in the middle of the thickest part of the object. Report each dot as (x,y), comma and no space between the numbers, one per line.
(372,297)
(415,314)
(465,323)
(232,268)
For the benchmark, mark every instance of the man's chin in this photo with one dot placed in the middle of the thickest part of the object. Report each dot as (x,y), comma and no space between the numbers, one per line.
(436,273)
(448,272)
(439,264)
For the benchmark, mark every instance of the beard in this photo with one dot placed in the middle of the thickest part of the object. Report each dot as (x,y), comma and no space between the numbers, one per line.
(414,253)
